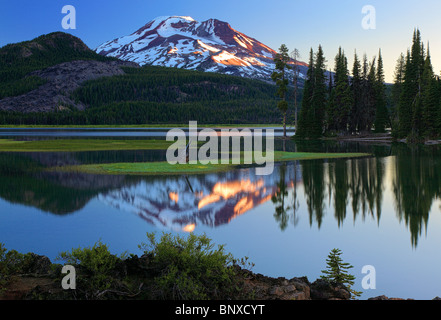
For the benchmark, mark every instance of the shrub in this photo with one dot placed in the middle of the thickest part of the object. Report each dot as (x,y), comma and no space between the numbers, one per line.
(11,262)
(191,268)
(97,265)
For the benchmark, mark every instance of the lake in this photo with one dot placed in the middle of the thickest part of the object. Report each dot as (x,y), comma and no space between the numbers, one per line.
(382,211)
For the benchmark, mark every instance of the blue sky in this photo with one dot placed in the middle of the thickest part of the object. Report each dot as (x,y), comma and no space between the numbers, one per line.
(298,24)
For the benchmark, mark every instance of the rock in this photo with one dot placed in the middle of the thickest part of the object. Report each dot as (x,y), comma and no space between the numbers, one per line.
(290,288)
(324,290)
(276,291)
(297,296)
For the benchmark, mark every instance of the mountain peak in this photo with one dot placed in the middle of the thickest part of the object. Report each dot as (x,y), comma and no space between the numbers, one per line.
(163,18)
(182,42)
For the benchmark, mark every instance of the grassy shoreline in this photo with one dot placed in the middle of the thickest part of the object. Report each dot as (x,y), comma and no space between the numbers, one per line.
(76,145)
(164,168)
(145,168)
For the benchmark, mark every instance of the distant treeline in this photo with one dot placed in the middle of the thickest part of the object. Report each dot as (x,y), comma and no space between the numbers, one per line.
(151,95)
(360,102)
(140,112)
(343,103)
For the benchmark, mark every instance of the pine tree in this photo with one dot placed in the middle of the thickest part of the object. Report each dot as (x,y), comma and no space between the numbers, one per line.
(319,97)
(367,97)
(279,76)
(406,100)
(381,112)
(356,85)
(331,124)
(304,124)
(343,97)
(295,55)
(411,102)
(337,271)
(370,107)
(396,90)
(431,98)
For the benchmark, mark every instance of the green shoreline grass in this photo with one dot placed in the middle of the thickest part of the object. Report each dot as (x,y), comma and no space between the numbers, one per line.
(164,168)
(76,145)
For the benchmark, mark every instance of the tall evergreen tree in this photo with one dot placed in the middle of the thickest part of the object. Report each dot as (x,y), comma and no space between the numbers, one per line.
(370,107)
(280,78)
(331,124)
(381,112)
(319,96)
(356,85)
(411,101)
(396,90)
(343,96)
(406,100)
(303,131)
(295,55)
(430,98)
(367,96)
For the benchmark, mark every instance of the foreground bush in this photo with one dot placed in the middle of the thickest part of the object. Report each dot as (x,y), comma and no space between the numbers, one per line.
(172,268)
(192,268)
(96,266)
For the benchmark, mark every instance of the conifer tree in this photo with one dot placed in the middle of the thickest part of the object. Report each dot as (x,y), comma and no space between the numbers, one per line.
(370,107)
(279,77)
(430,98)
(367,96)
(337,271)
(303,131)
(396,90)
(411,101)
(356,85)
(295,55)
(343,96)
(381,112)
(319,96)
(406,100)
(331,124)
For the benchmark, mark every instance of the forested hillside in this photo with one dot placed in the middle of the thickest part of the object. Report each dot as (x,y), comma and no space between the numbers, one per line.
(19,59)
(152,95)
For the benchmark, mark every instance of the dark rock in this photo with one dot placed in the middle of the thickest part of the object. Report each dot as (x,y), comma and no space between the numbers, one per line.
(324,290)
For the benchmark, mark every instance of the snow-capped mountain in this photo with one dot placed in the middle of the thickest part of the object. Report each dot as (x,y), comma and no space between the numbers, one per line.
(182,42)
(211,200)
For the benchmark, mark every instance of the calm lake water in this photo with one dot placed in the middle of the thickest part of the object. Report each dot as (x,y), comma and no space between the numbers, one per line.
(382,210)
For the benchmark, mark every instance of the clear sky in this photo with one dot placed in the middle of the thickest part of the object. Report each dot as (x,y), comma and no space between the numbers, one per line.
(298,24)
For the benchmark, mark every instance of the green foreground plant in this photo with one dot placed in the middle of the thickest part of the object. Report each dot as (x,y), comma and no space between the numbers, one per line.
(11,262)
(96,266)
(336,271)
(192,268)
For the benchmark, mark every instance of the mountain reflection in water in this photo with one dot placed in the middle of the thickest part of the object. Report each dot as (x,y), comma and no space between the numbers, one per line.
(211,200)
